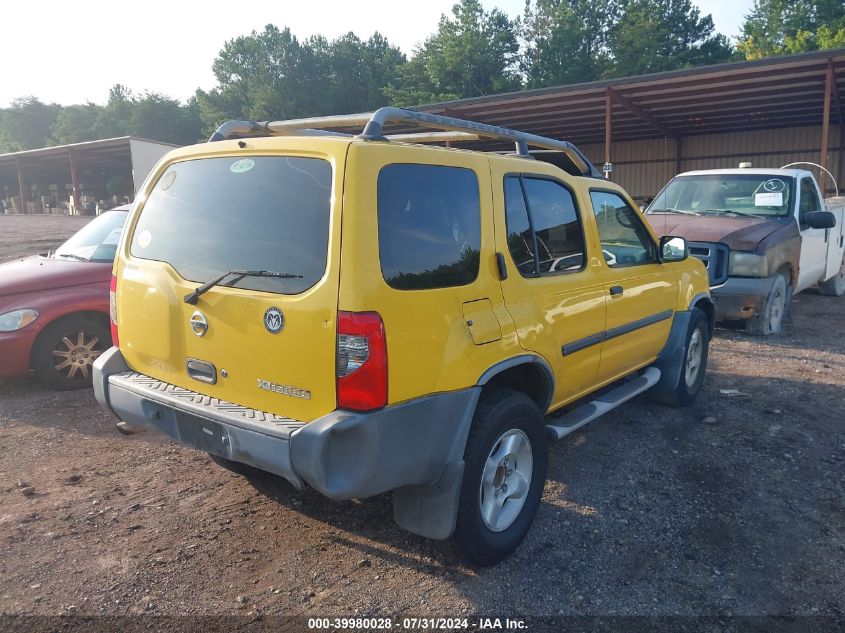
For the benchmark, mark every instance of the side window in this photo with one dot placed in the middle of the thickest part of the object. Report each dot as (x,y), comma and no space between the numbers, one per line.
(809,200)
(544,235)
(624,239)
(429,226)
(520,237)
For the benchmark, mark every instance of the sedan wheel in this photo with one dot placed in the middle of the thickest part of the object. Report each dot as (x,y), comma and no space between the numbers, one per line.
(76,357)
(65,351)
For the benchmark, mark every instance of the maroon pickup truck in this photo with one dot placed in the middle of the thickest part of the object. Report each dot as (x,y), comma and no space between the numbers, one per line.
(763,234)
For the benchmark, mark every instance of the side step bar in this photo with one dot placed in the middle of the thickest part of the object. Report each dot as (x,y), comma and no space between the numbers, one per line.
(575,419)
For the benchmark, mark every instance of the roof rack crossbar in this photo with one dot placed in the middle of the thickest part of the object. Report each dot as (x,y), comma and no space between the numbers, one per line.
(374,123)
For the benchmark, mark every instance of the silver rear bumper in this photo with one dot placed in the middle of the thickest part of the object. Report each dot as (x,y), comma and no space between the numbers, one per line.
(232,431)
(408,447)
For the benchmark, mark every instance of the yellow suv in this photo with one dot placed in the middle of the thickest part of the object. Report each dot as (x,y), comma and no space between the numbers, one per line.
(370,313)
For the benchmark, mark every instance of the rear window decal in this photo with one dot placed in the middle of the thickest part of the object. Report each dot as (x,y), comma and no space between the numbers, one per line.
(144,239)
(168,180)
(241,166)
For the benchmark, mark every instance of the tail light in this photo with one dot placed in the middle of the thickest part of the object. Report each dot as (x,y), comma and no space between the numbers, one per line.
(361,361)
(113,310)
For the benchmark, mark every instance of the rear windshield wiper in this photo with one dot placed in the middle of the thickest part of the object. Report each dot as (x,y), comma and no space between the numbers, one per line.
(238,275)
(674,211)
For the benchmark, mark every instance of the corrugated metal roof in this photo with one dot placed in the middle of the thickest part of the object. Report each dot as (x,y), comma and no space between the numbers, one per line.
(776,92)
(90,157)
(85,147)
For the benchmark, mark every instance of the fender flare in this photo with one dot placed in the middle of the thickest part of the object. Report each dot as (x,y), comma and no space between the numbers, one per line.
(708,299)
(516,361)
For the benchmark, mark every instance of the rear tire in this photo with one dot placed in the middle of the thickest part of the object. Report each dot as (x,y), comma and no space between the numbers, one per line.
(506,458)
(770,318)
(835,286)
(64,352)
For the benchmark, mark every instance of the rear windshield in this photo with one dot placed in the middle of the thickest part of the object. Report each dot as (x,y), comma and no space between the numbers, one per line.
(205,217)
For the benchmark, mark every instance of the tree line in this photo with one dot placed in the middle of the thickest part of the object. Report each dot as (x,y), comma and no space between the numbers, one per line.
(272,74)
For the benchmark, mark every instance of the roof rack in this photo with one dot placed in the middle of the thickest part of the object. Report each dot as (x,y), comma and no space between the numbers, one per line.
(374,123)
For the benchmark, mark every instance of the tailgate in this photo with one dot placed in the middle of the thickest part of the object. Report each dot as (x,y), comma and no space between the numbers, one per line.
(267,343)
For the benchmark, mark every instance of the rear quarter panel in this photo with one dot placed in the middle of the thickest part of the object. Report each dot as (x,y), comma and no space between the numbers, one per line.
(430,347)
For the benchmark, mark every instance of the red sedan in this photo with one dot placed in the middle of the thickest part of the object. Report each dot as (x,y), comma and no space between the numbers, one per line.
(54,309)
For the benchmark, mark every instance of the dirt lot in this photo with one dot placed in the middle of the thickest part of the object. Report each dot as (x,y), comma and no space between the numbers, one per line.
(22,235)
(734,506)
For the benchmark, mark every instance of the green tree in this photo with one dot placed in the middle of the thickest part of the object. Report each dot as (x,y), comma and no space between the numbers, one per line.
(114,118)
(266,75)
(473,53)
(160,118)
(777,27)
(359,72)
(272,75)
(76,123)
(565,41)
(26,124)
(413,85)
(657,35)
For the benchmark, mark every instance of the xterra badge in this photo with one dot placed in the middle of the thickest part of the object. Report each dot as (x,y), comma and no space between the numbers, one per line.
(274,320)
(285,390)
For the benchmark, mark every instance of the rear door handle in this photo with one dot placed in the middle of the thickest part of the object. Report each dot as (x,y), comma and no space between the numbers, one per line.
(615,290)
(201,370)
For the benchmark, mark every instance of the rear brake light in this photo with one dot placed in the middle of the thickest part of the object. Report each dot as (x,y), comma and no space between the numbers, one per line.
(113,310)
(361,361)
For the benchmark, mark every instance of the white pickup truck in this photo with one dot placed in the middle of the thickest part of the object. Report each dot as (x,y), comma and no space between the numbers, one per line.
(763,234)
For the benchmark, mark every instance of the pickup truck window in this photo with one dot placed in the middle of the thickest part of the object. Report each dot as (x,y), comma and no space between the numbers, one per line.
(544,230)
(624,239)
(737,195)
(809,200)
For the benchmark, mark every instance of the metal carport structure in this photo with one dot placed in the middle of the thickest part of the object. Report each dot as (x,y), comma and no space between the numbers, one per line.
(75,171)
(770,111)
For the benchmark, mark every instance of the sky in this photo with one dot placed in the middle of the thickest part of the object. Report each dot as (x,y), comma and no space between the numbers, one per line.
(73,52)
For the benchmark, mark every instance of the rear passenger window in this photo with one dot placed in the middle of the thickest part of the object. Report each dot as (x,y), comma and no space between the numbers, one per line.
(429,226)
(544,230)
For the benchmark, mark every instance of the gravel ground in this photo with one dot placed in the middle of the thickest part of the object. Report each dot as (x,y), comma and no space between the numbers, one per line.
(734,506)
(22,235)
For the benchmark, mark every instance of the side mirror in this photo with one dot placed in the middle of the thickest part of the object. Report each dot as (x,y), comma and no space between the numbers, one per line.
(820,220)
(673,249)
